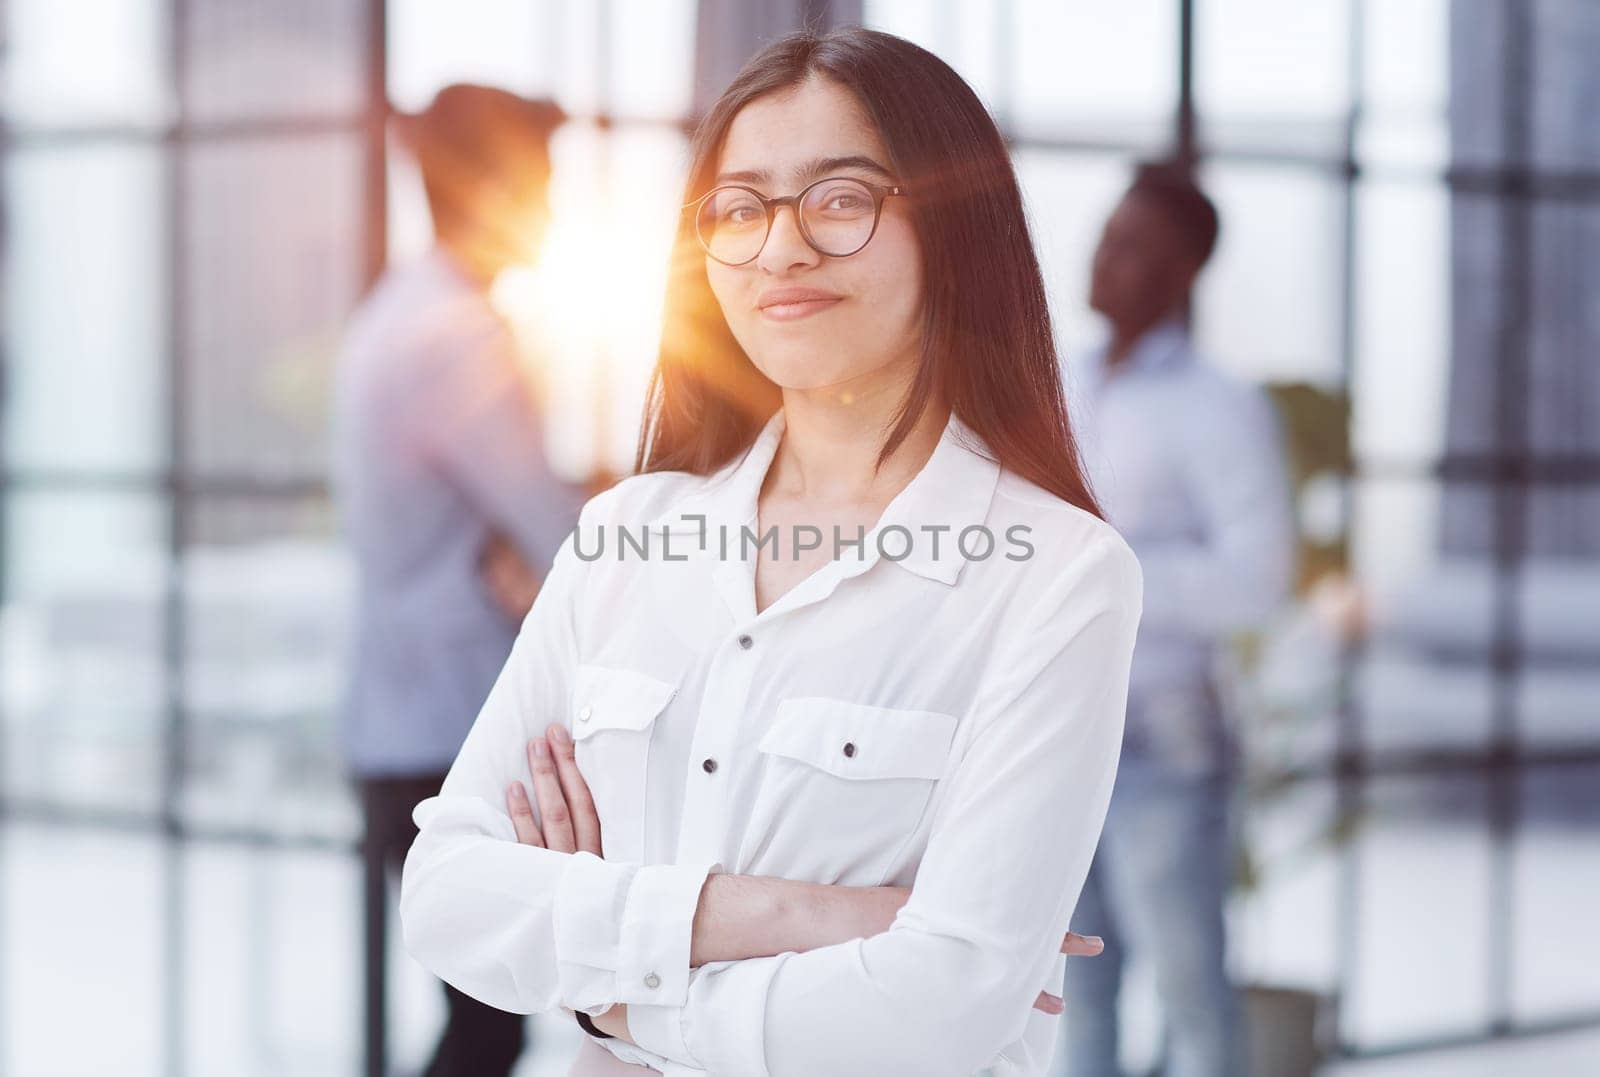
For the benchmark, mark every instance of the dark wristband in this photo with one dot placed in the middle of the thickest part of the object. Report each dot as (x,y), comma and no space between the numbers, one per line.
(586,1023)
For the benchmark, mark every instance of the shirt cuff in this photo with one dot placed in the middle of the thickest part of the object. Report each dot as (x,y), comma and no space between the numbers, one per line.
(659,1030)
(657,928)
(622,932)
(726,1034)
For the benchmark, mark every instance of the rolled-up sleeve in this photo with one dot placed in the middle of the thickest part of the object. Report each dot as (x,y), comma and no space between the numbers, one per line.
(522,928)
(952,983)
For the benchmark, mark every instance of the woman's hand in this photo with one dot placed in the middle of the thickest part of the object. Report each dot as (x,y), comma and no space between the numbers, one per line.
(569,821)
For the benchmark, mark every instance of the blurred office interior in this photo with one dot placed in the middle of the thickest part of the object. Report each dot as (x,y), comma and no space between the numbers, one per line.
(196,192)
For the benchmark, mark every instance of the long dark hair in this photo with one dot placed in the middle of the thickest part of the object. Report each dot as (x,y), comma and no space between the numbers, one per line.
(987,338)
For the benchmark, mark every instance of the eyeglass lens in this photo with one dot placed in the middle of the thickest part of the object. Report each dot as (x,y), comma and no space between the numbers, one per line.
(836,218)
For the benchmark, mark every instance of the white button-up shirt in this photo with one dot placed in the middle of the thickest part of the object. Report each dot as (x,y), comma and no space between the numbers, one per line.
(919,713)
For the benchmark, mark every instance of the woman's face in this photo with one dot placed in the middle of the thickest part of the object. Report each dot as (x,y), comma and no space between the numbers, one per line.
(866,327)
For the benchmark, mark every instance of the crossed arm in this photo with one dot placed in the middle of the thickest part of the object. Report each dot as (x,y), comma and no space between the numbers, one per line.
(738,916)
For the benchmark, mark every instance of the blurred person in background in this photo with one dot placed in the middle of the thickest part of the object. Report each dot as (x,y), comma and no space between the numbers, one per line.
(1189,466)
(446,497)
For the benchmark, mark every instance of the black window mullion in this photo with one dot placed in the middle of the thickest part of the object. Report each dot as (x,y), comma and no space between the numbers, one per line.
(175,726)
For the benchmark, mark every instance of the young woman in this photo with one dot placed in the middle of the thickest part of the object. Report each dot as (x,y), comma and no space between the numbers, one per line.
(822,708)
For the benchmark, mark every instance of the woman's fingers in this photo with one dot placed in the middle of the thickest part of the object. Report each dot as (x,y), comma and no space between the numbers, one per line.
(1082,945)
(1074,945)
(585,819)
(522,815)
(547,794)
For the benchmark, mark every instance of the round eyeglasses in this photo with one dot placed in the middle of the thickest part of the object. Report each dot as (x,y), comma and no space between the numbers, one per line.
(837,217)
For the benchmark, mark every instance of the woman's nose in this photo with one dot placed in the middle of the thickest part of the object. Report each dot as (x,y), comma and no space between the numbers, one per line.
(786,245)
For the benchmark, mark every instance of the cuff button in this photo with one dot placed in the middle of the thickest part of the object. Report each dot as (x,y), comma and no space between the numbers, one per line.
(652,981)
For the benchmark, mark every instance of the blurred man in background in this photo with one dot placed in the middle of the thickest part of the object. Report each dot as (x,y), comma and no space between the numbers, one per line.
(447,500)
(1188,464)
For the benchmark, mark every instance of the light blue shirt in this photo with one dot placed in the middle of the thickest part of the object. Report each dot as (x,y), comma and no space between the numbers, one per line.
(437,444)
(1188,464)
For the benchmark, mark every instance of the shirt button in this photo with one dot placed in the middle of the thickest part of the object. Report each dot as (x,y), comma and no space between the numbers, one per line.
(709,766)
(585,714)
(652,981)
(746,642)
(849,750)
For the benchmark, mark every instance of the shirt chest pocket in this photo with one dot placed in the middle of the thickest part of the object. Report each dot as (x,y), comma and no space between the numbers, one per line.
(844,789)
(613,713)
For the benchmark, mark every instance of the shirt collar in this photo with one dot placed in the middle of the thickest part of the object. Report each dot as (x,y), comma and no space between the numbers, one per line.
(1164,346)
(953,490)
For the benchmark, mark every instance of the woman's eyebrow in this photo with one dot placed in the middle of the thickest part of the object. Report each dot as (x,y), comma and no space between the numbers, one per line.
(808,171)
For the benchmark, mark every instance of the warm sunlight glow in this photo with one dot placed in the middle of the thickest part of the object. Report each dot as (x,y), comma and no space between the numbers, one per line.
(588,312)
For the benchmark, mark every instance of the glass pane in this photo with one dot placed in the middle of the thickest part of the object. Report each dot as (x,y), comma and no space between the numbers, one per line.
(273,947)
(643,219)
(513,44)
(1555,875)
(1068,198)
(86,335)
(1563,523)
(652,57)
(1555,695)
(1411,701)
(1479,282)
(1478,75)
(1423,948)
(80,920)
(275,58)
(409,222)
(1267,307)
(82,648)
(584,40)
(606,253)
(275,266)
(1284,916)
(1425,681)
(925,23)
(268,601)
(972,37)
(90,62)
(1563,376)
(1564,324)
(1566,40)
(1401,369)
(1273,75)
(1101,70)
(1405,83)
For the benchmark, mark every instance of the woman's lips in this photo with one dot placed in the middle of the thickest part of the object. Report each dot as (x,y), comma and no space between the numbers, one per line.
(789,312)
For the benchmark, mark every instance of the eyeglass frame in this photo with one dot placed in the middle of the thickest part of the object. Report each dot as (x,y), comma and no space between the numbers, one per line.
(880,193)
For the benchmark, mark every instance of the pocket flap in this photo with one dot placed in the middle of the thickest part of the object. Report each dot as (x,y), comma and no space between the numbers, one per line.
(605,698)
(854,740)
